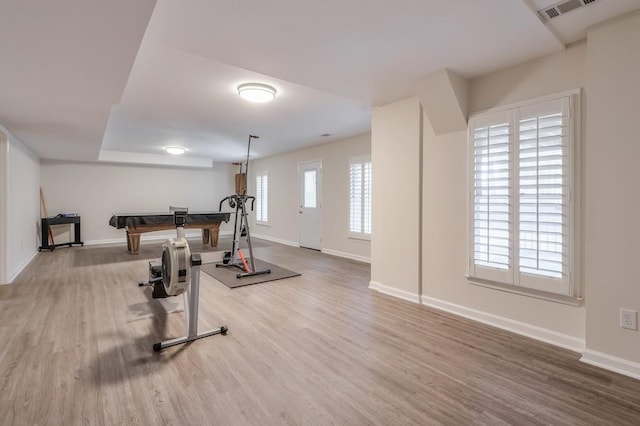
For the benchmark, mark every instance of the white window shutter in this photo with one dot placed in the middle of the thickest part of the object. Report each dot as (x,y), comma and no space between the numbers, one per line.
(366,198)
(491,198)
(355,197)
(265,198)
(360,197)
(259,198)
(262,197)
(543,199)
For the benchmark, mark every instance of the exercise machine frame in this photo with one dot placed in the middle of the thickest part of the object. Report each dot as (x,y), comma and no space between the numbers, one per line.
(241,227)
(191,299)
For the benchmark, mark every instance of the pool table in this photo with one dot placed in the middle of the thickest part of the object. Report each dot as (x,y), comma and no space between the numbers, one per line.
(138,223)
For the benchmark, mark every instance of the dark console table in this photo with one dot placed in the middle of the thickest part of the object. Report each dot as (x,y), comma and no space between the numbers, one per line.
(60,220)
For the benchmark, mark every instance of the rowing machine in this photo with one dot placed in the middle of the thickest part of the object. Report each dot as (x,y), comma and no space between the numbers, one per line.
(180,274)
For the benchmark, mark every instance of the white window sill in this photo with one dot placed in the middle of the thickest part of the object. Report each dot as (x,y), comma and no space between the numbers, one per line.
(524,291)
(265,224)
(358,237)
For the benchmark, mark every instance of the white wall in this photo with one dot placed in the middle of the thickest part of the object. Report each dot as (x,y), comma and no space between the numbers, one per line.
(606,67)
(396,153)
(23,211)
(547,75)
(95,191)
(613,197)
(445,219)
(4,148)
(283,195)
(433,247)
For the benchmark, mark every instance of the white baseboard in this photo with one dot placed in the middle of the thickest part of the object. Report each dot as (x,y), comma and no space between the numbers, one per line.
(612,363)
(107,241)
(22,266)
(545,335)
(347,255)
(392,291)
(276,240)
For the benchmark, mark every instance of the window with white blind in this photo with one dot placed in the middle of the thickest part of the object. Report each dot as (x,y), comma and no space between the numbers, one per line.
(360,197)
(522,217)
(262,198)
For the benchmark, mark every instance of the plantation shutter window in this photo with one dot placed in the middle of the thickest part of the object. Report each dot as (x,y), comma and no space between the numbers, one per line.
(521,211)
(262,198)
(360,197)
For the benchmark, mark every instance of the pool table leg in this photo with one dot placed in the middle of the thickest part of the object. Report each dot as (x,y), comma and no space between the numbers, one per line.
(128,241)
(133,243)
(205,236)
(213,233)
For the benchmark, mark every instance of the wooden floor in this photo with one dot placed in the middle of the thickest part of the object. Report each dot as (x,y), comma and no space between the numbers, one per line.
(77,335)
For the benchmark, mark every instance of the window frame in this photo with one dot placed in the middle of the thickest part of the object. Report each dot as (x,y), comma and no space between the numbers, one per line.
(566,291)
(261,175)
(363,160)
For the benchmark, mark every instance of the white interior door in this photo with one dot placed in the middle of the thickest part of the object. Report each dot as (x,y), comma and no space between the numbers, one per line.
(310,187)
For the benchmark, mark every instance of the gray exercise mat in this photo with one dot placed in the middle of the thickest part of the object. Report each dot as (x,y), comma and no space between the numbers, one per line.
(227,275)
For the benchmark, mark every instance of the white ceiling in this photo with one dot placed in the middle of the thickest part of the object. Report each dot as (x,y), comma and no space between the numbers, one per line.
(119,80)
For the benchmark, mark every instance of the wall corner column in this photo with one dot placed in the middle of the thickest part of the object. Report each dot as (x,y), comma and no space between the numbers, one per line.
(397,199)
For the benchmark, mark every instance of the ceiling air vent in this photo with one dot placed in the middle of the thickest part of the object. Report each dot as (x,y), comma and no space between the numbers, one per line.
(563,7)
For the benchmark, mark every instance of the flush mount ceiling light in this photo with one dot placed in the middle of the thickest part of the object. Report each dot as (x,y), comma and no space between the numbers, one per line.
(175,150)
(256,92)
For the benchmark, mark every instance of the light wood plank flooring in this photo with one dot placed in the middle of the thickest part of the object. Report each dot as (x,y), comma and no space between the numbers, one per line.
(319,349)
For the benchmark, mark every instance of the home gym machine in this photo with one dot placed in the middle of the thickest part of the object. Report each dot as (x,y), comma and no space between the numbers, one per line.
(238,201)
(179,273)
